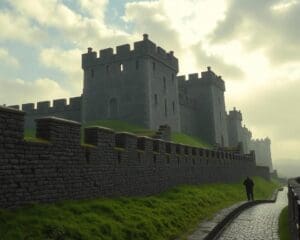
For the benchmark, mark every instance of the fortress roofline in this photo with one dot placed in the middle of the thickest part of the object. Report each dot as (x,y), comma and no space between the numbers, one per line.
(207,77)
(123,52)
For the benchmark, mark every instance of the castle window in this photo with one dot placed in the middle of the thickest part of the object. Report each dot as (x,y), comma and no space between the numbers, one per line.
(173,77)
(136,64)
(153,66)
(155,99)
(121,67)
(166,108)
(165,84)
(92,72)
(173,105)
(107,68)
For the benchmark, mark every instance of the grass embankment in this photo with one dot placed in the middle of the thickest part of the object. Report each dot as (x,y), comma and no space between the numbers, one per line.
(284,231)
(121,126)
(164,216)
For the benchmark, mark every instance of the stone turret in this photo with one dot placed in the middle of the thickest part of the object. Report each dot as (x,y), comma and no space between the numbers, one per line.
(203,111)
(138,86)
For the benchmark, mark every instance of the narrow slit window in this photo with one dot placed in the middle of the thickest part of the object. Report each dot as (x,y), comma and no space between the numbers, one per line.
(121,67)
(92,73)
(107,68)
(155,99)
(165,83)
(166,108)
(173,105)
(153,66)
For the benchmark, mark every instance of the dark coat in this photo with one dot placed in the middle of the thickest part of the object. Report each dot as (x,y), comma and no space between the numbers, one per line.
(249,184)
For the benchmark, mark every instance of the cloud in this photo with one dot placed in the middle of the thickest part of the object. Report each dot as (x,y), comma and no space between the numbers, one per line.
(268,25)
(71,27)
(150,17)
(67,62)
(8,59)
(30,91)
(19,28)
(227,70)
(95,8)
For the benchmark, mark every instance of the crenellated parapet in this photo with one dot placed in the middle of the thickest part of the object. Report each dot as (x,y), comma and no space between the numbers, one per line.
(235,115)
(57,166)
(59,108)
(58,105)
(194,81)
(209,77)
(123,53)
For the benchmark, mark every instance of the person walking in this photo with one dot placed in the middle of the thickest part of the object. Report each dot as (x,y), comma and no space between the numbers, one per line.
(249,184)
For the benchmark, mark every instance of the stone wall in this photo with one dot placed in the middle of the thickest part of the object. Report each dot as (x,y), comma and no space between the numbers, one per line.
(59,167)
(59,108)
(294,207)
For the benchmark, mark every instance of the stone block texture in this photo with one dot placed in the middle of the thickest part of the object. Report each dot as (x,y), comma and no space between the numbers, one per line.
(57,166)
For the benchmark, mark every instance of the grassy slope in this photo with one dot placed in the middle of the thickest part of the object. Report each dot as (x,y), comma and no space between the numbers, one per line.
(284,225)
(163,216)
(120,126)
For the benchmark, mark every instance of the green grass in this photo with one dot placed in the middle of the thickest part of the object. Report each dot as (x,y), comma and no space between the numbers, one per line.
(120,126)
(284,231)
(189,140)
(164,216)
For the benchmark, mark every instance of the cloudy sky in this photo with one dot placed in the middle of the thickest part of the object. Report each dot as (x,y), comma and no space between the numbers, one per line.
(253,44)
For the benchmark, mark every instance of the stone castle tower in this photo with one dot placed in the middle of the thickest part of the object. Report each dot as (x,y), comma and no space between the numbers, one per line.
(137,86)
(203,107)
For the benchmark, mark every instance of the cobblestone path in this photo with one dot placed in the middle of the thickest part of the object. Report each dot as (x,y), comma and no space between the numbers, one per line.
(257,223)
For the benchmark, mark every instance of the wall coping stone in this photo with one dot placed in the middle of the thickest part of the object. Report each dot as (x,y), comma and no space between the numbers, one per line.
(12,110)
(60,120)
(101,128)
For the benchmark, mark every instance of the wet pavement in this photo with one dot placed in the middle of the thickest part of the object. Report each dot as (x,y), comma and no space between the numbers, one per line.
(257,223)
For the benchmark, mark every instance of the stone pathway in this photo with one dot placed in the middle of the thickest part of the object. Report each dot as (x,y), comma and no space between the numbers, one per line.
(204,228)
(257,223)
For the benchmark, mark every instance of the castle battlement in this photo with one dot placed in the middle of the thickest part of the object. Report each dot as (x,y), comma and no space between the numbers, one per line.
(124,53)
(235,115)
(207,77)
(45,106)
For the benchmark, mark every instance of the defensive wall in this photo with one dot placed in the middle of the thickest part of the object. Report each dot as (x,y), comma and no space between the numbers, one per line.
(59,108)
(294,207)
(59,167)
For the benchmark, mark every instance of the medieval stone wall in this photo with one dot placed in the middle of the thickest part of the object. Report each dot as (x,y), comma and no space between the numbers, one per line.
(59,108)
(58,166)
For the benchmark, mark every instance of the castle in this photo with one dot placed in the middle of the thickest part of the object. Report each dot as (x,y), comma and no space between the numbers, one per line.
(141,86)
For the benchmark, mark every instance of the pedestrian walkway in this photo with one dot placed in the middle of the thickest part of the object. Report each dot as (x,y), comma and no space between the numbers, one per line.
(257,223)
